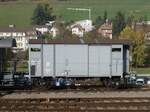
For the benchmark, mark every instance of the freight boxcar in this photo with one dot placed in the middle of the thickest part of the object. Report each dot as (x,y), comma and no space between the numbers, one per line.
(78,58)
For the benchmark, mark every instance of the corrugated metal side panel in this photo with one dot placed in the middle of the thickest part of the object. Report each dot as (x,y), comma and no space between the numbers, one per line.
(35,59)
(99,61)
(128,61)
(29,63)
(71,60)
(117,61)
(48,59)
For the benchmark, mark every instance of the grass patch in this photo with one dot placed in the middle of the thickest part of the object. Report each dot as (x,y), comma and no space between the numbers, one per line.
(16,13)
(142,70)
(23,67)
(20,12)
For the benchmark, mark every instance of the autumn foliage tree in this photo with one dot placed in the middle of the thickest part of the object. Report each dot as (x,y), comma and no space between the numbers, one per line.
(138,44)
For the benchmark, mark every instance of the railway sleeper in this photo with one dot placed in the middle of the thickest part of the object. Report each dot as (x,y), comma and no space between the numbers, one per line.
(103,107)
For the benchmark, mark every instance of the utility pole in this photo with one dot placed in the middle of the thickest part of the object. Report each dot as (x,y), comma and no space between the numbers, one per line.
(42,50)
(82,9)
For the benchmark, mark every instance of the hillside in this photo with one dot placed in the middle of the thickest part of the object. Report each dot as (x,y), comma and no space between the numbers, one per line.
(20,12)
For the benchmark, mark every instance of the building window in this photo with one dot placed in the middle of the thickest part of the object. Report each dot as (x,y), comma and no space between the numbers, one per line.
(35,49)
(116,49)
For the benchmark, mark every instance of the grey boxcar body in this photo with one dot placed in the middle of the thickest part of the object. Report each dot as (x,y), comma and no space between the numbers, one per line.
(78,59)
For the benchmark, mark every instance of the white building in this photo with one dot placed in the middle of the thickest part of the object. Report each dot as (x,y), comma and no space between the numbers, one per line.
(54,31)
(78,30)
(21,35)
(42,29)
(105,30)
(85,25)
(51,29)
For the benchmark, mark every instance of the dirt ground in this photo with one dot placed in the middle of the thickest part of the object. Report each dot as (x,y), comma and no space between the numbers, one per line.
(63,94)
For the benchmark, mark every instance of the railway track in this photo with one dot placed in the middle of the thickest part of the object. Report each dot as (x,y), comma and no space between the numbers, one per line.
(80,88)
(87,89)
(76,105)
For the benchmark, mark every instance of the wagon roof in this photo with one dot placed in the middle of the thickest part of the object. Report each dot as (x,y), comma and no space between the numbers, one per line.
(7,43)
(79,41)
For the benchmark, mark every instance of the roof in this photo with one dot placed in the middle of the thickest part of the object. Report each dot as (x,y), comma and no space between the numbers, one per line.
(7,43)
(142,27)
(106,27)
(79,41)
(8,29)
(25,29)
(30,31)
(40,26)
(83,21)
(78,26)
